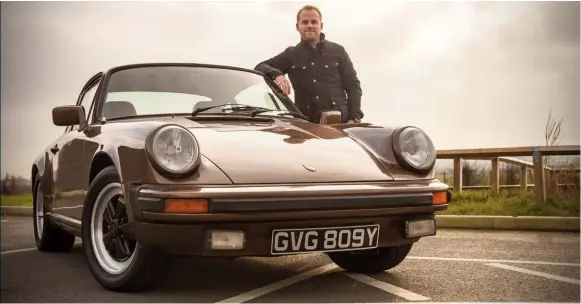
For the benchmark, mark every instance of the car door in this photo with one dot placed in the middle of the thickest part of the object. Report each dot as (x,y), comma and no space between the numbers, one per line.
(68,162)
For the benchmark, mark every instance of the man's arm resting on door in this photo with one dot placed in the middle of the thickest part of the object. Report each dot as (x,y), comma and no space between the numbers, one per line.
(277,65)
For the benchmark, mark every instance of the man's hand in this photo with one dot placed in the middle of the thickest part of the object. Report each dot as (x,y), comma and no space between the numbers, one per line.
(283,84)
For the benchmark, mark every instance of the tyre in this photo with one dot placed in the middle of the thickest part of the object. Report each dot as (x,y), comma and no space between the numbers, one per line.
(371,261)
(116,259)
(48,237)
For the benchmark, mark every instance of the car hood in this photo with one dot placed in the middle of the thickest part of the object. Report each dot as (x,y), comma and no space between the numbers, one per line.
(286,152)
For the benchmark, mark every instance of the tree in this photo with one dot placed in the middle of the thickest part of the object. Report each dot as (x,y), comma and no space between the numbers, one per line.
(552,133)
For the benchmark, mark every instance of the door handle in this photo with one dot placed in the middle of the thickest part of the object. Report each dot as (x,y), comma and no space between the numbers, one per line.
(54,149)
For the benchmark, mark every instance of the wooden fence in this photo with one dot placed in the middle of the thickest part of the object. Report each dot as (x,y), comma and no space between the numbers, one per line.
(506,155)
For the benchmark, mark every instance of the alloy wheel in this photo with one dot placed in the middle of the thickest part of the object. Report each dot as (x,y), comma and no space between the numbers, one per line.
(113,244)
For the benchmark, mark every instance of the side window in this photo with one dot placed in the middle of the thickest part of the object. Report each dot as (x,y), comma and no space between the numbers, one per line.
(87,101)
(88,97)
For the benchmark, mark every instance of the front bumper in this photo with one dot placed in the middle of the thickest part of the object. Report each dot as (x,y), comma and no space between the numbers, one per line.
(258,210)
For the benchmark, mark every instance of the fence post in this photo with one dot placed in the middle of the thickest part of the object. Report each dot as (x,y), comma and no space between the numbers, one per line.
(494,175)
(523,178)
(458,174)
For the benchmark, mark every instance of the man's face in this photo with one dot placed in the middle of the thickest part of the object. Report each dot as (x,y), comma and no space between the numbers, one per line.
(309,25)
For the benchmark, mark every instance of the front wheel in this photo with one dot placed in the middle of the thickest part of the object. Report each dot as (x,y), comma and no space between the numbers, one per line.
(371,261)
(116,259)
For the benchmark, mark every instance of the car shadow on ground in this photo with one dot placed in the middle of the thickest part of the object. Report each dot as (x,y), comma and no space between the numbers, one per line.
(212,274)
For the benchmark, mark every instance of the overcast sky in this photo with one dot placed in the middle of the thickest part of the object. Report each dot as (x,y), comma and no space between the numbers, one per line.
(473,75)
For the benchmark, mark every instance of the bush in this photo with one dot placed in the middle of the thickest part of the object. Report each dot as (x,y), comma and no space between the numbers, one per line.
(14,185)
(514,202)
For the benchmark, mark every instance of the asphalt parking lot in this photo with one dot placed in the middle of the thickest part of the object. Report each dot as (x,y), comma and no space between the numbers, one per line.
(454,266)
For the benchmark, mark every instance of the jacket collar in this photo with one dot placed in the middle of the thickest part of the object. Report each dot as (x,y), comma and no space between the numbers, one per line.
(320,44)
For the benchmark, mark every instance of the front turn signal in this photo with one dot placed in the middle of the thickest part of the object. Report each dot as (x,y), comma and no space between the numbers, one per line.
(195,206)
(440,198)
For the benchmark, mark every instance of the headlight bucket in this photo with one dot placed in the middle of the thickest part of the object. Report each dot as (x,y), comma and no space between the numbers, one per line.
(409,140)
(173,151)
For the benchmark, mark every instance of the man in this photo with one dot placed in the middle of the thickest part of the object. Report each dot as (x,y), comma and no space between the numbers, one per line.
(320,71)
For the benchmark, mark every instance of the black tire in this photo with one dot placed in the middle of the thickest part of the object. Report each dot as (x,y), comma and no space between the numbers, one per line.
(148,269)
(371,261)
(52,238)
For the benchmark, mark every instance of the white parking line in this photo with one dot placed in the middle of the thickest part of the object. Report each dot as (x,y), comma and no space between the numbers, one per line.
(280,284)
(18,250)
(537,273)
(400,292)
(493,261)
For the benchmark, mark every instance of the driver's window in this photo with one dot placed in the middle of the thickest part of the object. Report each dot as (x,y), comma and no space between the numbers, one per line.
(87,101)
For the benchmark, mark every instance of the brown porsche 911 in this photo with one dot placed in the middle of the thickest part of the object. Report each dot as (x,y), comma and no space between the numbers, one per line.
(164,159)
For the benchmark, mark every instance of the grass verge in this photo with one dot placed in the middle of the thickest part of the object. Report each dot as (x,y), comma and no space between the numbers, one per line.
(513,202)
(17,200)
(510,202)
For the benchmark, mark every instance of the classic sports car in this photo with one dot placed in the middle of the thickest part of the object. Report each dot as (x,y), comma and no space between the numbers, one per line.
(196,159)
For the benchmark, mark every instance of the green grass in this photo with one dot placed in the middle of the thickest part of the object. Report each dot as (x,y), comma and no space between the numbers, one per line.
(511,202)
(17,200)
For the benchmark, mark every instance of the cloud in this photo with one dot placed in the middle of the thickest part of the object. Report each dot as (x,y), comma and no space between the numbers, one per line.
(472,74)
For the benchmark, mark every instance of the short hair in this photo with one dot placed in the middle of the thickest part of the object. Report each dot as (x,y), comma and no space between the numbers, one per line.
(308,8)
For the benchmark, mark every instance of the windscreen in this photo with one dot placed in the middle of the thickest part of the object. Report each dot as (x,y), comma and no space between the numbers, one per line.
(182,89)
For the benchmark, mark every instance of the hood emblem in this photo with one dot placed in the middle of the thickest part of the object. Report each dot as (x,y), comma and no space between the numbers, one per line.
(310,168)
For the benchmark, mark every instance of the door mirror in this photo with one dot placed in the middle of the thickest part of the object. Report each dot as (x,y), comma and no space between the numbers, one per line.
(330,117)
(69,115)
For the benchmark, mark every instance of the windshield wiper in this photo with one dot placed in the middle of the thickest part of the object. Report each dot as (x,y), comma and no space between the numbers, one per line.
(236,106)
(294,114)
(255,110)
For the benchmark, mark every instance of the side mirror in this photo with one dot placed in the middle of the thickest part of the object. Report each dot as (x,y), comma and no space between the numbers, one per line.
(69,115)
(330,117)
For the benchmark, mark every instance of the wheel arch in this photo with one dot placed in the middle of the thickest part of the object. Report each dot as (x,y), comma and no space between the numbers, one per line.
(100,161)
(41,169)
(33,174)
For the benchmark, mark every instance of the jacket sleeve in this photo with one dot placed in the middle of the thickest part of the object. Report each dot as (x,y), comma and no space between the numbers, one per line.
(277,65)
(351,85)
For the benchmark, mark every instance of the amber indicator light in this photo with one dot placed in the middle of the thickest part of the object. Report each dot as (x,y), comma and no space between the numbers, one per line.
(440,198)
(186,206)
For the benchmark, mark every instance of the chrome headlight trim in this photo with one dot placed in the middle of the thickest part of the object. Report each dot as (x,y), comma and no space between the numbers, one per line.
(192,164)
(404,161)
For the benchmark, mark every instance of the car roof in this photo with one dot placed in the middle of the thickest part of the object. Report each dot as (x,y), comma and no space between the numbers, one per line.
(179,64)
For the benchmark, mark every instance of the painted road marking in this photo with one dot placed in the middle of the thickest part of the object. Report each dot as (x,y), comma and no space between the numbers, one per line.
(18,250)
(400,292)
(537,273)
(493,261)
(280,284)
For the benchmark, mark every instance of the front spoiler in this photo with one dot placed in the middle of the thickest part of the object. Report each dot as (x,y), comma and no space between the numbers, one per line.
(192,238)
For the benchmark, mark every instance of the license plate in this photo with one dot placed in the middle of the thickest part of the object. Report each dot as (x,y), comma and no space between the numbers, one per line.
(307,240)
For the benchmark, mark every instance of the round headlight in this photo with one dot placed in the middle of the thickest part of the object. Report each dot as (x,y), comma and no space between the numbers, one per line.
(174,150)
(414,149)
